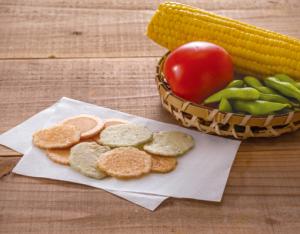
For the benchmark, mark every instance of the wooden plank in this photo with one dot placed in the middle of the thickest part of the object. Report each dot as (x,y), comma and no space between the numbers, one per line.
(39,205)
(7,164)
(6,152)
(32,31)
(152,5)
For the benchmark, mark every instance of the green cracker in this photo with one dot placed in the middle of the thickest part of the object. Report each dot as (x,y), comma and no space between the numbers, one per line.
(125,135)
(84,157)
(170,143)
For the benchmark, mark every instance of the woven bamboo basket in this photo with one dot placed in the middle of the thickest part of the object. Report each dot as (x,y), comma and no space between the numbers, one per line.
(213,121)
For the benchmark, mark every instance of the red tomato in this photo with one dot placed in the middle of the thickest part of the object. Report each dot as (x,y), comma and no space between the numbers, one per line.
(196,70)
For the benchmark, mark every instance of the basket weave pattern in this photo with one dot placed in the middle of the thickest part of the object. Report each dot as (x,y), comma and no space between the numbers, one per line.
(213,121)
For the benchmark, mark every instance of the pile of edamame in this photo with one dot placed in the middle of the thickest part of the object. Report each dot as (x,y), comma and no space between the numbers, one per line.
(274,95)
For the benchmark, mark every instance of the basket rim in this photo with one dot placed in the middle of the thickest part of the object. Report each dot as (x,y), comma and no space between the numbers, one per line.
(161,82)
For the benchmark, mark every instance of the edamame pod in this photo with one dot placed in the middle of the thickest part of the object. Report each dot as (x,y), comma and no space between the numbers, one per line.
(286,78)
(275,98)
(234,93)
(283,87)
(255,83)
(258,107)
(225,105)
(235,84)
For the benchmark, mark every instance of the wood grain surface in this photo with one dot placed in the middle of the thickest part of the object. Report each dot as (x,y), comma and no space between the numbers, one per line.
(97,51)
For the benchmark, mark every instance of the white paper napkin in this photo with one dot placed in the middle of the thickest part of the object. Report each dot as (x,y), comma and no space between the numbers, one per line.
(19,139)
(201,174)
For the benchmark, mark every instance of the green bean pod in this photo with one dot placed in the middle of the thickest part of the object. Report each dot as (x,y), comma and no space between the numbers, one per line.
(255,83)
(258,107)
(234,93)
(286,78)
(235,84)
(275,98)
(283,87)
(225,105)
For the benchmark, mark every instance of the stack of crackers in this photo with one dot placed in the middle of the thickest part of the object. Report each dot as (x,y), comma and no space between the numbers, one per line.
(114,147)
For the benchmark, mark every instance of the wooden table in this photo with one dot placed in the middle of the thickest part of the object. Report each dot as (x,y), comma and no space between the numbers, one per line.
(97,51)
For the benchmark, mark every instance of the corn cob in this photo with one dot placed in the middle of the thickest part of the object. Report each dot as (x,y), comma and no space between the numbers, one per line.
(255,51)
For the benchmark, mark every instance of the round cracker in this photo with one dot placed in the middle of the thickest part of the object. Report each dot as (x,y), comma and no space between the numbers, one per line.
(125,162)
(171,143)
(163,164)
(60,156)
(84,156)
(88,125)
(111,122)
(123,135)
(108,123)
(59,136)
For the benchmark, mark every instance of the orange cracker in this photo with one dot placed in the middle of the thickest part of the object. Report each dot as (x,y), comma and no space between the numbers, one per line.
(88,125)
(60,156)
(125,162)
(163,164)
(59,136)
(110,122)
